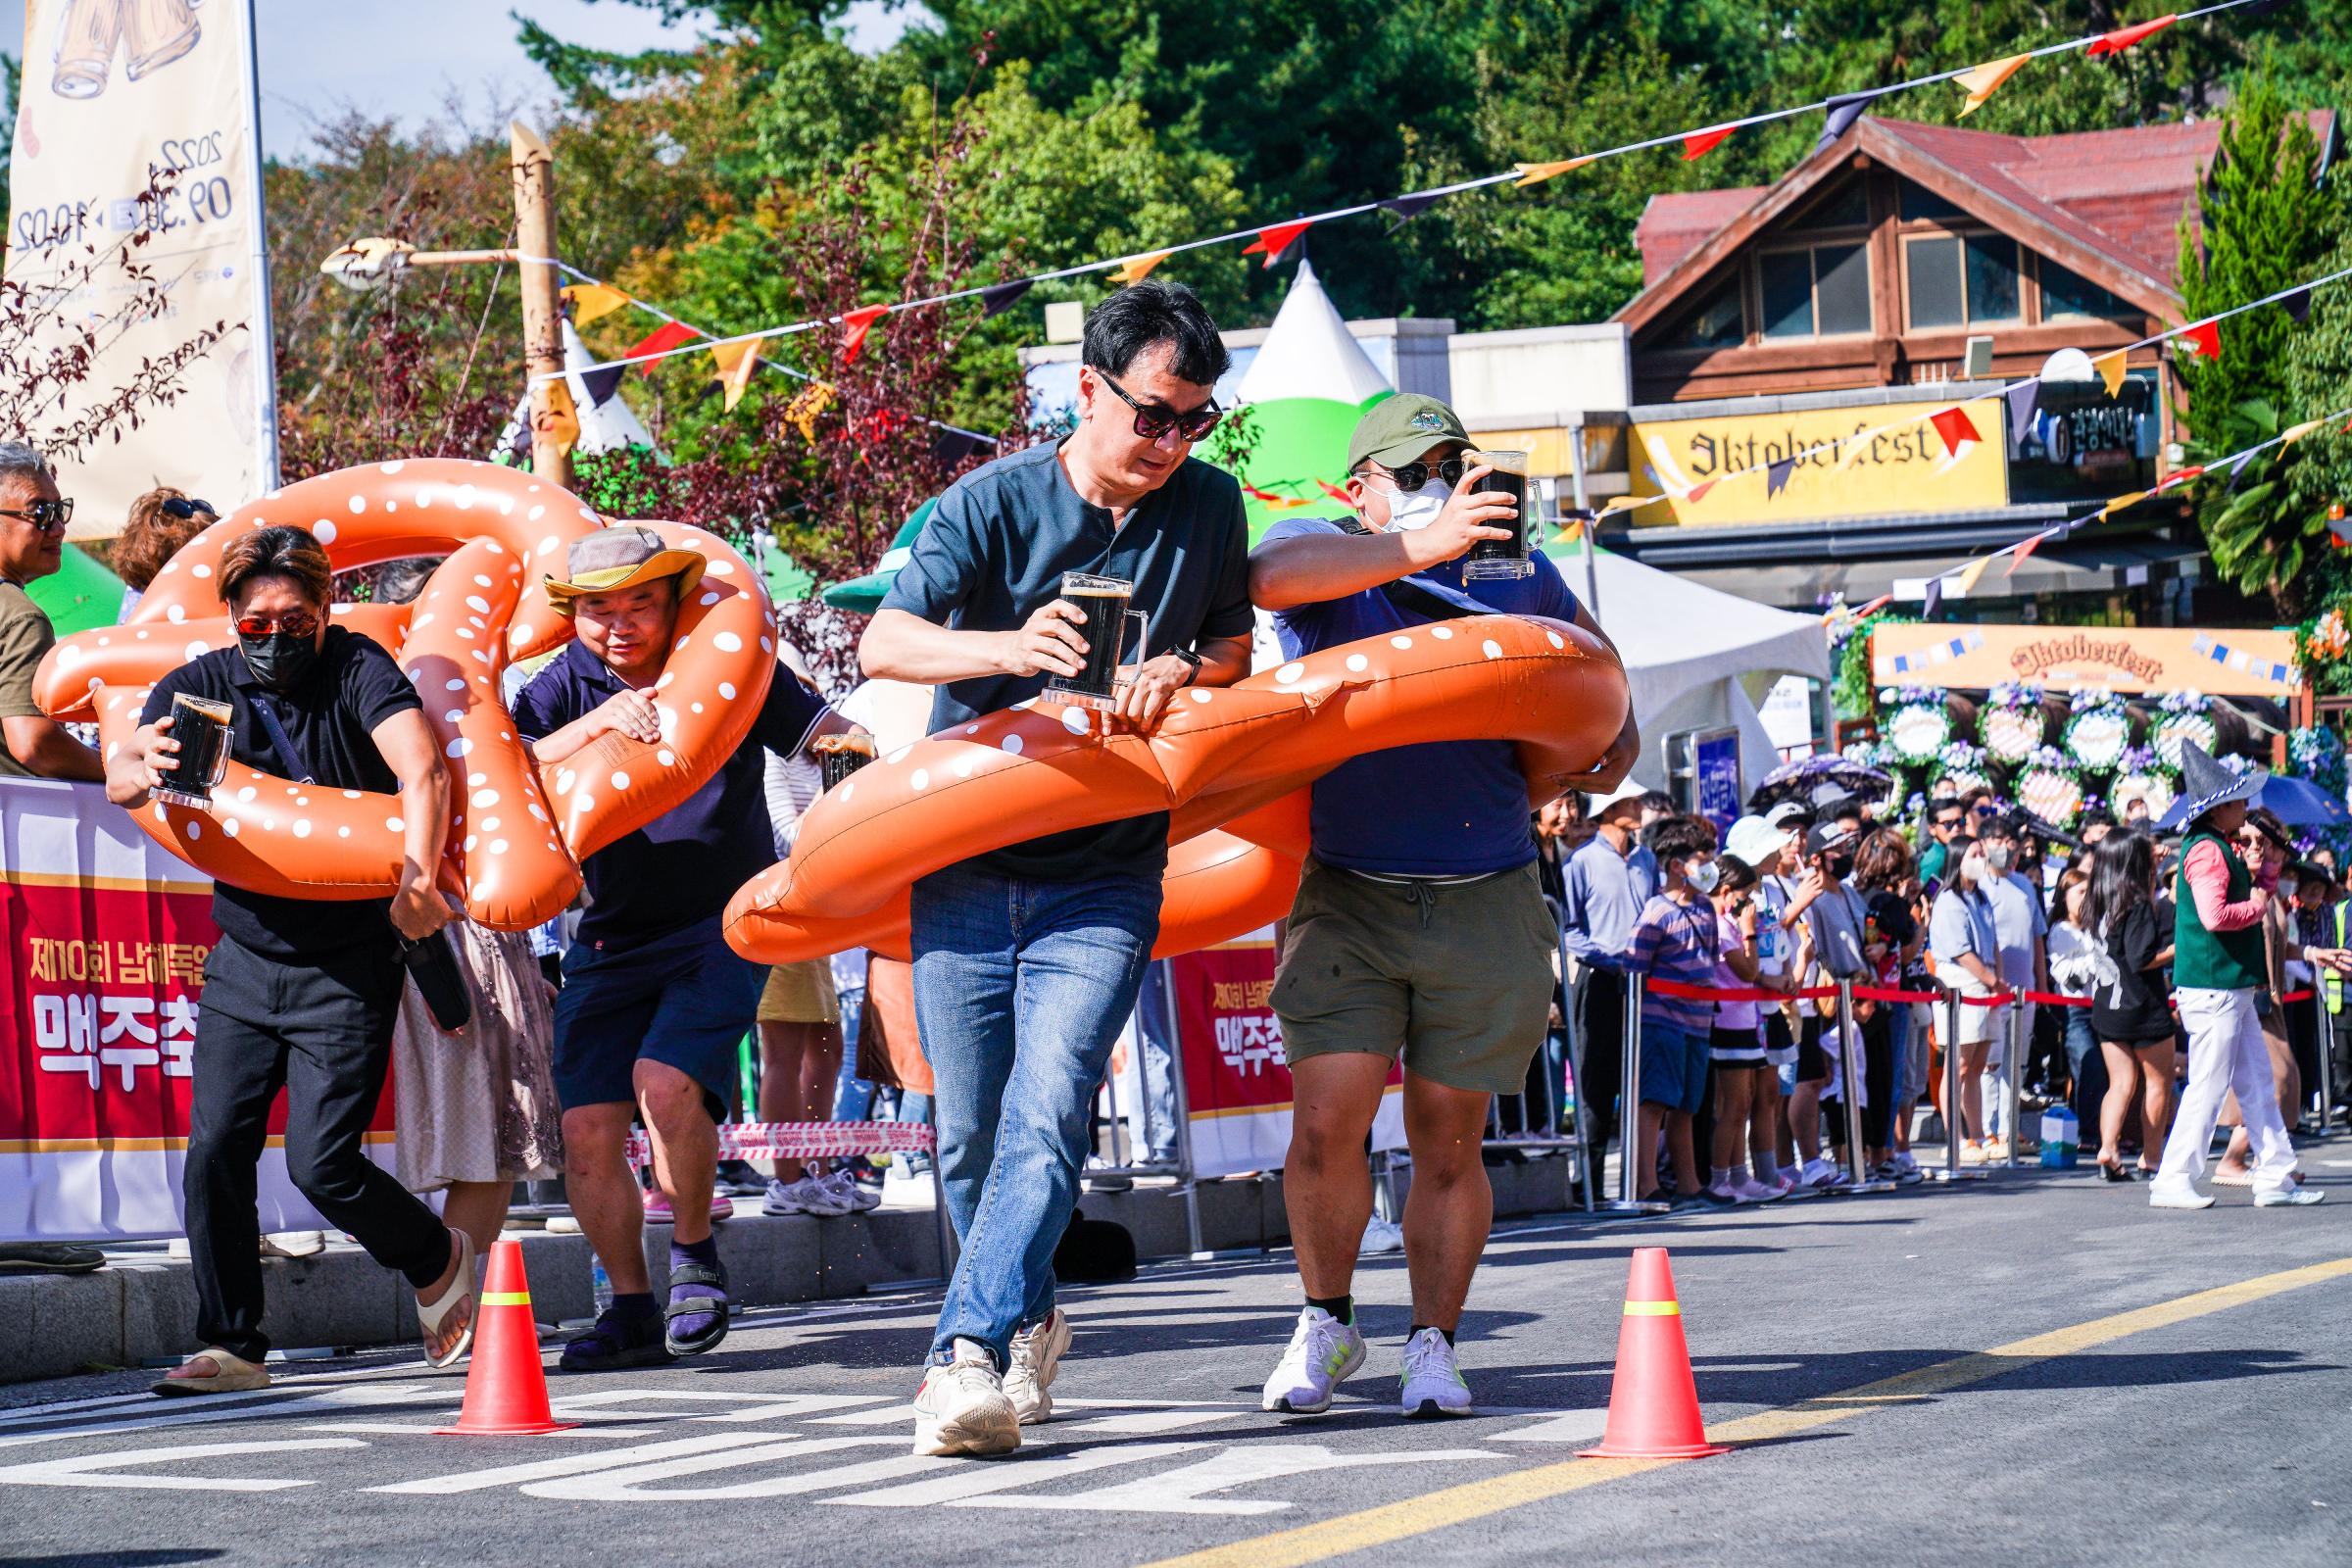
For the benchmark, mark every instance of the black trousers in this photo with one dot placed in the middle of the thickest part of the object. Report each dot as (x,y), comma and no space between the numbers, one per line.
(1600,1003)
(320,1028)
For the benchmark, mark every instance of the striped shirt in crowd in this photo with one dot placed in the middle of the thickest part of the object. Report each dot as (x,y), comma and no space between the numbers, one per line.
(1675,942)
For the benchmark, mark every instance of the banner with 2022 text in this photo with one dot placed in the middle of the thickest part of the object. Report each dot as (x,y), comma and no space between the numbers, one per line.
(103,937)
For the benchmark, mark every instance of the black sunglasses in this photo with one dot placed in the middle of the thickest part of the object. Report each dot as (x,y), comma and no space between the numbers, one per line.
(1155,421)
(1413,476)
(184,508)
(50,516)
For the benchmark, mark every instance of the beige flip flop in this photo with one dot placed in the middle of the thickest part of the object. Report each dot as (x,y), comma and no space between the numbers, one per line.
(232,1374)
(462,1289)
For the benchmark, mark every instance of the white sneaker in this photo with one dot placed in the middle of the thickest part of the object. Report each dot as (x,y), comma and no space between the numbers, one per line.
(2288,1198)
(293,1244)
(1037,1353)
(783,1199)
(1752,1190)
(862,1198)
(816,1196)
(2179,1198)
(1323,1352)
(1822,1176)
(1381,1236)
(1431,1384)
(962,1407)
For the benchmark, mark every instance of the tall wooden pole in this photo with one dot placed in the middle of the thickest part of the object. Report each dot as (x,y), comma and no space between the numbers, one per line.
(542,315)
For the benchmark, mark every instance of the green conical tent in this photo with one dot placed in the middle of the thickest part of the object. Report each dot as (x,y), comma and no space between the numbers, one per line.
(1305,390)
(79,595)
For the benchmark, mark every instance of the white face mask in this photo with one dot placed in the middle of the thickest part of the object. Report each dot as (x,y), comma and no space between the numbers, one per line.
(1971,868)
(1998,856)
(1703,875)
(1409,509)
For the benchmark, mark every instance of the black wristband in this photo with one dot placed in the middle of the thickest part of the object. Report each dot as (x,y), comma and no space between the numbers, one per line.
(1190,657)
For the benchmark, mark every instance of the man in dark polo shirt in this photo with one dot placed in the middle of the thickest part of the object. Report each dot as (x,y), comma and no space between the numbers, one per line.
(1420,932)
(654,1000)
(1027,960)
(302,992)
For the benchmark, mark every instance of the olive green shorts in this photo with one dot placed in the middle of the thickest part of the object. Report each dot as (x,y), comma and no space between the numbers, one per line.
(1454,978)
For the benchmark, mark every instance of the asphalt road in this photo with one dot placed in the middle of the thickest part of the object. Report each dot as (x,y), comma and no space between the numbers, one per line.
(2034,1369)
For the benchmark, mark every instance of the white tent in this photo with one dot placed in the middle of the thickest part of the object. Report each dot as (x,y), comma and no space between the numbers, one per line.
(1696,657)
(1310,353)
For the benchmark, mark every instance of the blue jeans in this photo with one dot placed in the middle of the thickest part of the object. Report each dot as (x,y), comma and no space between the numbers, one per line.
(1020,990)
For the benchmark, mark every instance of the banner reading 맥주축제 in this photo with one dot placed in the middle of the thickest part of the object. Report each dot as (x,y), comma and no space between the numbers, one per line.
(105,936)
(118,97)
(1237,1085)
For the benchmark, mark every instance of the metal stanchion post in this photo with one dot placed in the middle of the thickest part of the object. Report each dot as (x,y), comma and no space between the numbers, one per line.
(2325,1034)
(1849,1056)
(1577,1122)
(1953,1122)
(1187,1183)
(1629,1110)
(2012,1074)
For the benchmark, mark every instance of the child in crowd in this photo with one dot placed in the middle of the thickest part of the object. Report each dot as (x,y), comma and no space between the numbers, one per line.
(1737,1039)
(1675,940)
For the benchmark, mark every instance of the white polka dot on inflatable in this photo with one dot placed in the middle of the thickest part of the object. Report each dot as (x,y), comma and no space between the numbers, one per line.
(1358,663)
(229,827)
(620,780)
(1557,641)
(726,689)
(728,642)
(302,827)
(1400,642)
(1012,744)
(1200,697)
(920,780)
(1075,721)
(200,570)
(395,824)
(1444,634)
(1289,674)
(459,747)
(194,650)
(323,531)
(1493,648)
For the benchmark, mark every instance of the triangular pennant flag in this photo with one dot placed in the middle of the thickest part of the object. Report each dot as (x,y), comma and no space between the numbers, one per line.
(1776,476)
(2019,556)
(1699,143)
(2111,369)
(2298,304)
(2237,472)
(1335,492)
(1843,111)
(1699,492)
(601,384)
(732,367)
(1935,599)
(1969,575)
(668,335)
(1138,267)
(2204,338)
(1986,79)
(2122,503)
(1625,504)
(2296,432)
(1538,174)
(2339,532)
(2023,399)
(1404,208)
(803,410)
(2122,38)
(856,325)
(2178,476)
(556,416)
(1850,450)
(999,298)
(1954,426)
(592,299)
(1276,238)
(952,448)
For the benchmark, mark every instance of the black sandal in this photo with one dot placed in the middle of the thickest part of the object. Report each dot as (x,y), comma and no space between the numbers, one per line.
(2114,1172)
(696,1306)
(614,1344)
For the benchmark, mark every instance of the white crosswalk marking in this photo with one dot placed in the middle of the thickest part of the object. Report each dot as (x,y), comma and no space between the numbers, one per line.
(98,1469)
(1181,1491)
(870,1473)
(888,1415)
(630,1484)
(1142,1423)
(1576,1427)
(755,1406)
(972,1480)
(324,1402)
(515,1475)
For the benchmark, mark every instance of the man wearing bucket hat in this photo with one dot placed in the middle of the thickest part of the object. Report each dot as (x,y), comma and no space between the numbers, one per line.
(2217,967)
(1419,935)
(654,1000)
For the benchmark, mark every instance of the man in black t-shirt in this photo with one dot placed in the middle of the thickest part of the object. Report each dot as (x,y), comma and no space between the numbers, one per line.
(302,992)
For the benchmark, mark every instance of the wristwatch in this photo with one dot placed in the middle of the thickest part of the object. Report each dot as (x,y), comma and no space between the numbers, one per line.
(1190,657)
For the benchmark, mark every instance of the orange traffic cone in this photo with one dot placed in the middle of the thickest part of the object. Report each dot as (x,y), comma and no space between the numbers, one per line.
(1653,1405)
(506,1387)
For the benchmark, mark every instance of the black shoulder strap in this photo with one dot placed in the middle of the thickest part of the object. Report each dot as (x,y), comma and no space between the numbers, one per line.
(1414,596)
(289,757)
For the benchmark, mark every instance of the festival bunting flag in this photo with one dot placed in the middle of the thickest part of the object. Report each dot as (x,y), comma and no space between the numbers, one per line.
(1538,174)
(1699,143)
(1986,79)
(2023,399)
(952,448)
(2177,478)
(599,384)
(2018,557)
(2204,338)
(1934,598)
(1276,238)
(1000,298)
(1136,269)
(1954,425)
(1335,492)
(1279,503)
(1843,111)
(856,324)
(558,416)
(661,340)
(1699,492)
(2296,432)
(2111,369)
(732,365)
(2298,304)
(590,301)
(1404,208)
(1776,476)
(1970,573)
(811,401)
(2122,38)
(2122,503)
(1622,503)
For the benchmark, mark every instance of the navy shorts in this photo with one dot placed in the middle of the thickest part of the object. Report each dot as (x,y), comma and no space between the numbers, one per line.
(1673,1066)
(685,1000)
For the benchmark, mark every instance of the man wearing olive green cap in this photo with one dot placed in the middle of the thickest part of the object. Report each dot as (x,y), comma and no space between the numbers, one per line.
(1420,930)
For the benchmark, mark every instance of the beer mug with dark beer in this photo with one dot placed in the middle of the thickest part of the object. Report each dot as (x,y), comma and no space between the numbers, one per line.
(1102,602)
(201,727)
(1502,558)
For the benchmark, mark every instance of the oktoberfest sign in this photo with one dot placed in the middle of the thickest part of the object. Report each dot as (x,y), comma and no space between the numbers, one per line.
(2231,663)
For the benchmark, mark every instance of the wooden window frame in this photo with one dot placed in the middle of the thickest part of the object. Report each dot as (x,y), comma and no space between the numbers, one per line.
(2028,278)
(1857,238)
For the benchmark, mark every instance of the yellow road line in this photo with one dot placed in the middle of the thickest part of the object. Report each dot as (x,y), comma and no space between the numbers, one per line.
(1453,1505)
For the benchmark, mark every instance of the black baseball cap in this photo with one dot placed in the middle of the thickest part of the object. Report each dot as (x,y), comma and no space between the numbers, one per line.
(1823,837)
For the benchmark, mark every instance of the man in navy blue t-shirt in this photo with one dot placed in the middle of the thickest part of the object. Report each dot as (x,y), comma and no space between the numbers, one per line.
(1420,930)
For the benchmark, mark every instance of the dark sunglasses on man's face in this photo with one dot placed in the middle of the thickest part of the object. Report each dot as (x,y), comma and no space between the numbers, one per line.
(293,623)
(1156,420)
(1413,476)
(184,508)
(50,516)
(1948,824)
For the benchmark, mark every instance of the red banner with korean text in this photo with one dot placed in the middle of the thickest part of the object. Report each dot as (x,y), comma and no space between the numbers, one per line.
(105,937)
(1237,1082)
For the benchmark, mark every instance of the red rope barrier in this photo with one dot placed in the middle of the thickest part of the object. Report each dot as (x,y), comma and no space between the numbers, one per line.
(1688,993)
(806,1139)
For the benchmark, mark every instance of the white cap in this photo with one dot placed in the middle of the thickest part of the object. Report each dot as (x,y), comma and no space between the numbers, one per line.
(1787,809)
(1756,841)
(1594,805)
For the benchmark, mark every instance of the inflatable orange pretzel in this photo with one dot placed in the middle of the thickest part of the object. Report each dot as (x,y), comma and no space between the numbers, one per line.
(518,832)
(1229,764)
